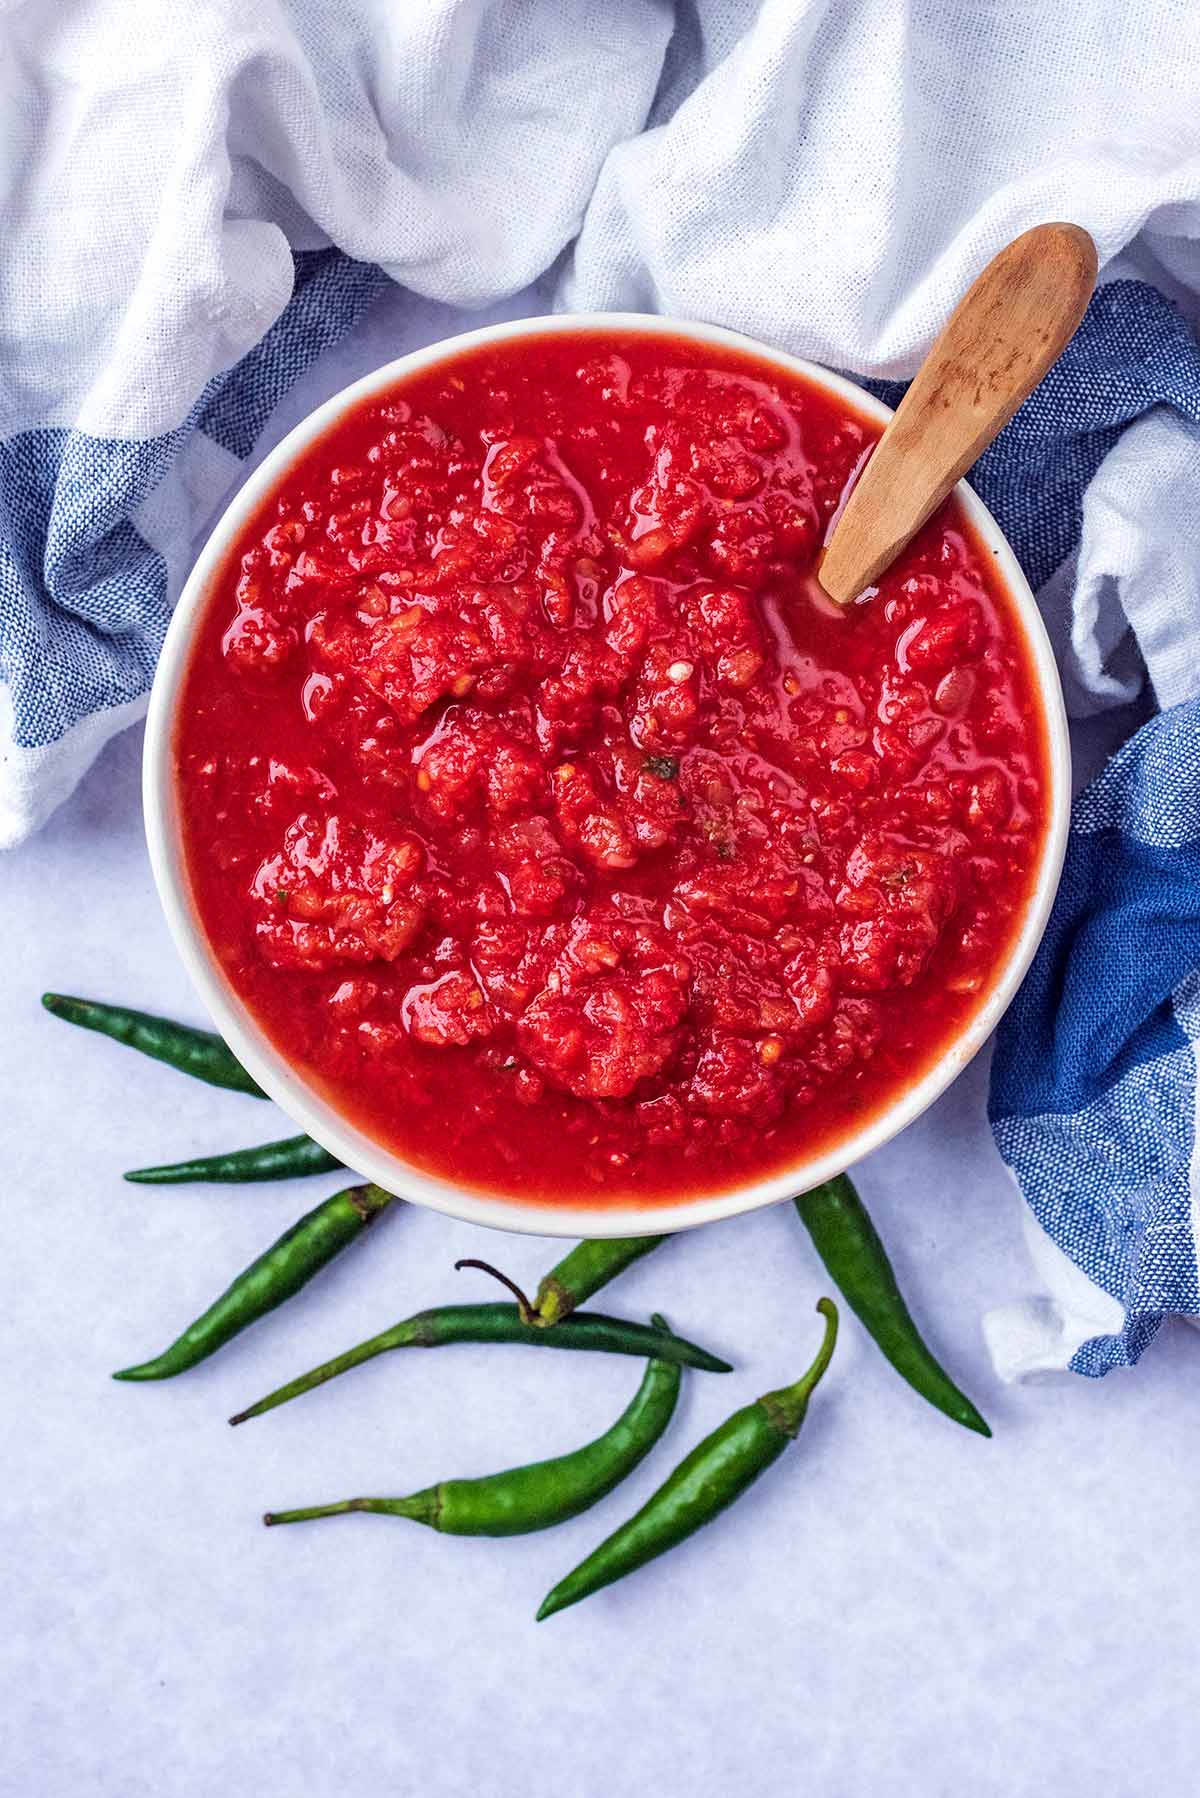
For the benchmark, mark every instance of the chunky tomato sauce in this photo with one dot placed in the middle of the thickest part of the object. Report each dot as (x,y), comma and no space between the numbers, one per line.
(545,812)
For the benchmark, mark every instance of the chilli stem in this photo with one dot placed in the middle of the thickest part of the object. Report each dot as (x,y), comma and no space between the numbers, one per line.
(525,1309)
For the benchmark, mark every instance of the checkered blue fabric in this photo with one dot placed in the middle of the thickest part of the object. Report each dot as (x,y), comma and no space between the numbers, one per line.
(1132,352)
(84,598)
(1094,1079)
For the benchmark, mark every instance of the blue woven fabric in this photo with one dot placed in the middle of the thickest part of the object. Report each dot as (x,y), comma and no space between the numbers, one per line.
(1094,1077)
(1132,876)
(1133,351)
(84,599)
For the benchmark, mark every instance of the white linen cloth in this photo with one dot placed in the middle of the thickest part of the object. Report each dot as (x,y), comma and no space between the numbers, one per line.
(827,176)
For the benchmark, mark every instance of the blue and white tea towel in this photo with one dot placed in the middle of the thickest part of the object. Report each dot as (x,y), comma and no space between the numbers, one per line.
(197,201)
(1094,1083)
(1094,1078)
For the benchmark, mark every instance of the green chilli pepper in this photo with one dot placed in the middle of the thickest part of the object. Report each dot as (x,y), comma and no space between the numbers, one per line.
(716,1473)
(542,1494)
(497,1323)
(291,1158)
(286,1266)
(200,1053)
(849,1245)
(589,1266)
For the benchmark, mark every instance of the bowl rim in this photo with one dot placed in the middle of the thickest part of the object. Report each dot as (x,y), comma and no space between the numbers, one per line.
(309,1108)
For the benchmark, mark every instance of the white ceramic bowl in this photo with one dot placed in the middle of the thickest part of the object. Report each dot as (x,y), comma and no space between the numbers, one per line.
(313,1112)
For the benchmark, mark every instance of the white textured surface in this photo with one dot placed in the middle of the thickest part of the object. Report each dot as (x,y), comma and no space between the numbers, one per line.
(900,1608)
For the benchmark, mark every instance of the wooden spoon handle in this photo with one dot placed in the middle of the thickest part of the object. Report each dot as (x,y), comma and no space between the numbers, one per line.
(1010,327)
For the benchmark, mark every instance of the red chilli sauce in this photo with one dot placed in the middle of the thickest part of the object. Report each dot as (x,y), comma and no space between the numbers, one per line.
(548,817)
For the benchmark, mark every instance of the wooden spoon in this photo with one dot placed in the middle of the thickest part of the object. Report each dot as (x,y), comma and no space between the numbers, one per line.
(1009,328)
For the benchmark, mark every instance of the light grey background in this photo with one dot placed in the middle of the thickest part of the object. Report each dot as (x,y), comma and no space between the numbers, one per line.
(899,1608)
